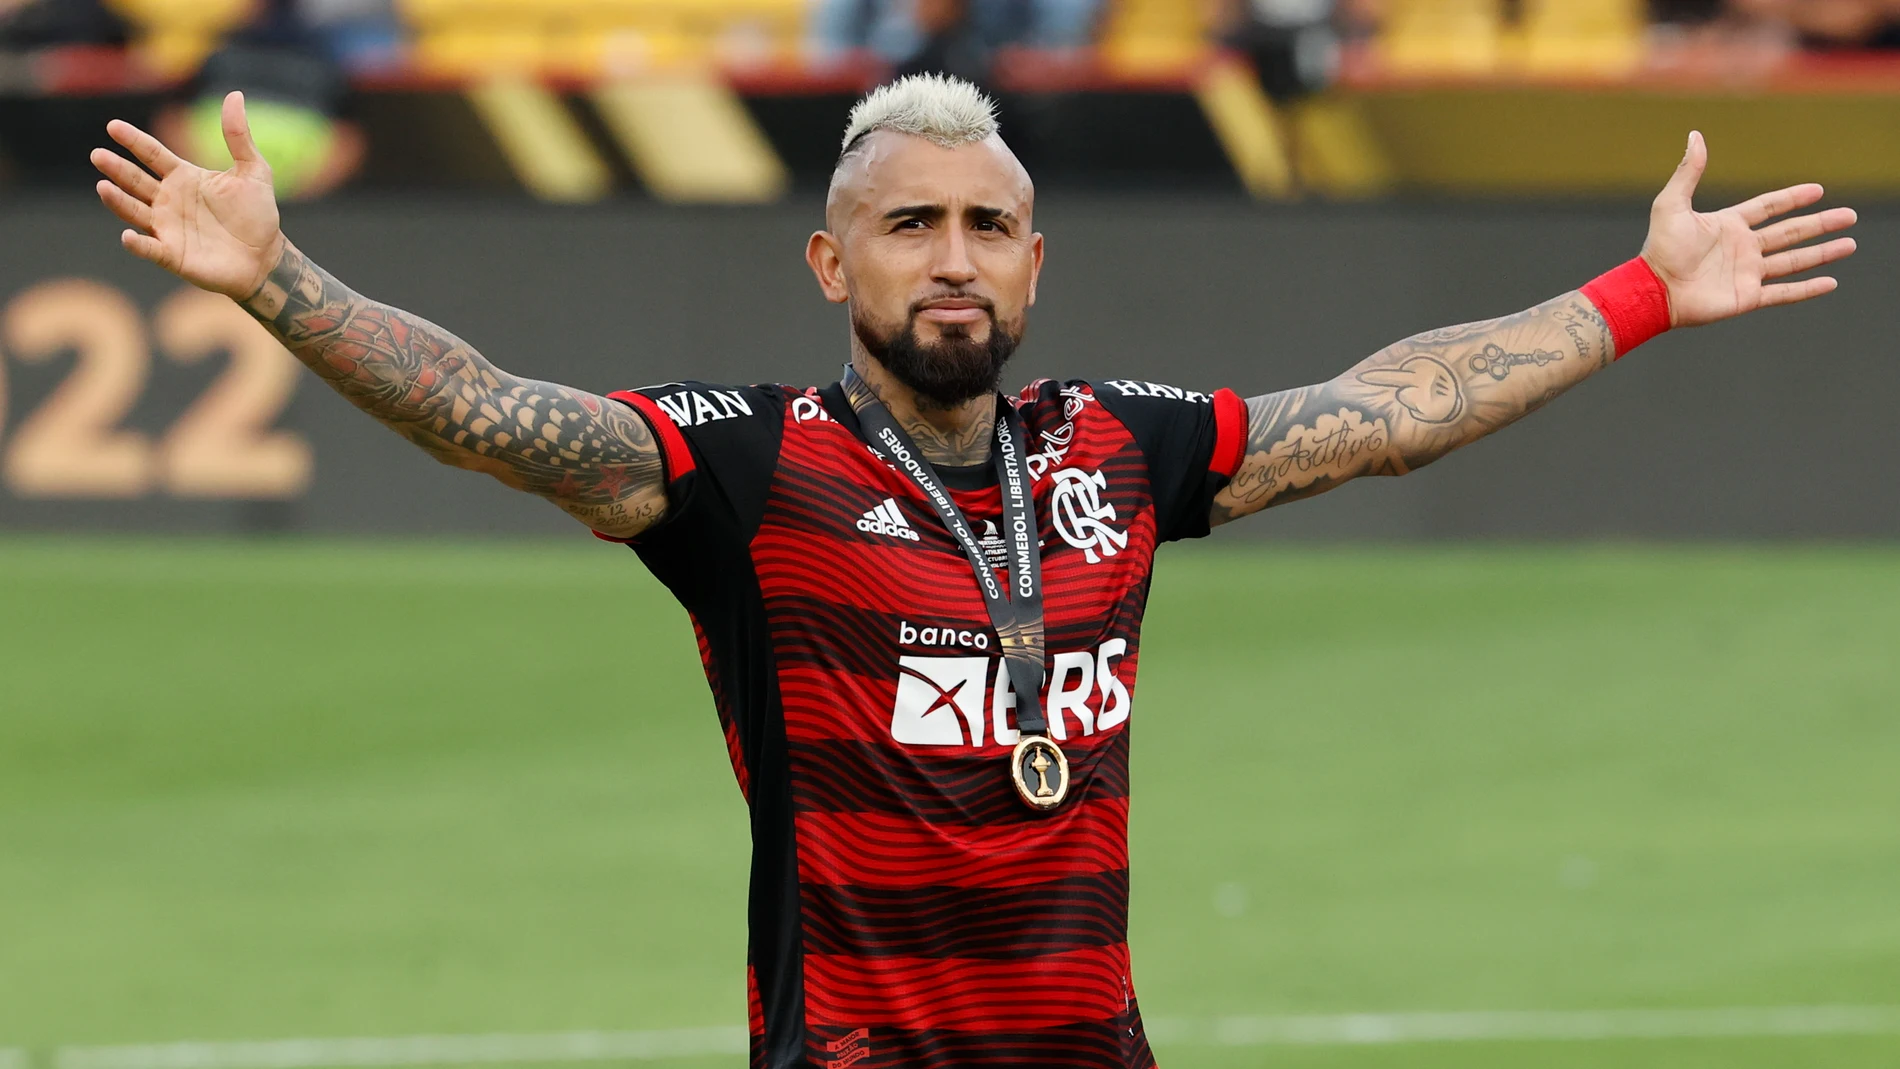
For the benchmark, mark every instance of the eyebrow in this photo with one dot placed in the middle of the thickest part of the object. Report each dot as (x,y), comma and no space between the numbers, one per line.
(937,211)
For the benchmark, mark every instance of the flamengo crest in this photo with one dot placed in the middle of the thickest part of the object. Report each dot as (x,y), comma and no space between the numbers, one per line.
(1082,518)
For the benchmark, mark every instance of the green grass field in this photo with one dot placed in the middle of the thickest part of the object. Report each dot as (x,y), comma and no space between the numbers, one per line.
(316,789)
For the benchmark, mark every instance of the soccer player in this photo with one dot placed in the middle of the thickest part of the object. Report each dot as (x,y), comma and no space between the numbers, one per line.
(919,601)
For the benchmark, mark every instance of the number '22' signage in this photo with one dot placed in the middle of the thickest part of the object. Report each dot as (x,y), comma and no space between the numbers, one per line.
(72,446)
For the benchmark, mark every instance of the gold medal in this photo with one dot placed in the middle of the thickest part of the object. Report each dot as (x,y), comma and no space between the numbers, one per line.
(1041,772)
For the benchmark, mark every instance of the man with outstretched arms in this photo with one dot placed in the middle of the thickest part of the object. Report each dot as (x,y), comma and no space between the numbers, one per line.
(919,601)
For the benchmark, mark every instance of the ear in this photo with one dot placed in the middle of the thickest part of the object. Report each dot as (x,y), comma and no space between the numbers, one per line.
(1035,267)
(824,253)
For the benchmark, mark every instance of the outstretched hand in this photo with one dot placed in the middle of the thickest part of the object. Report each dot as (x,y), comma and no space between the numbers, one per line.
(1717,264)
(215,229)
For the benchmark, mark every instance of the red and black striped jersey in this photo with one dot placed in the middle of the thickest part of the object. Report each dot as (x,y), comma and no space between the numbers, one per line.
(906,908)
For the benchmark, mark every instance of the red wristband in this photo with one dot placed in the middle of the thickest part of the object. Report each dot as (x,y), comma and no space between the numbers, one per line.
(1634,303)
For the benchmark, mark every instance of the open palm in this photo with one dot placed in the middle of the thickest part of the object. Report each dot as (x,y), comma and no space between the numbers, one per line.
(218,230)
(1717,264)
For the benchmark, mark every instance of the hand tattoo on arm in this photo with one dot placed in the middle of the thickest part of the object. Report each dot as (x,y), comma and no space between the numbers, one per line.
(593,457)
(1413,402)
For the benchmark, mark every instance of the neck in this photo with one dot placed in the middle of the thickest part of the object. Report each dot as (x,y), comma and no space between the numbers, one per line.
(957,436)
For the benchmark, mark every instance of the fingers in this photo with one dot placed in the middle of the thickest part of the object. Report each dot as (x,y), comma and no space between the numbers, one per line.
(143,247)
(1765,207)
(1795,231)
(147,148)
(127,175)
(1807,258)
(1679,193)
(128,208)
(1791,292)
(237,131)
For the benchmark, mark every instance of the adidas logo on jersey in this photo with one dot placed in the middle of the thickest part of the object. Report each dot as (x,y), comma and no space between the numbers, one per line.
(887,520)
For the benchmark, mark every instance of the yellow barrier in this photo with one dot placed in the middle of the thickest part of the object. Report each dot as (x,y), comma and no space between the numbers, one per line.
(175,36)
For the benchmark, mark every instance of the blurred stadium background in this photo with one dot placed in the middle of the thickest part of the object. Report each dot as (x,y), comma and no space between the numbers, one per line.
(1575,750)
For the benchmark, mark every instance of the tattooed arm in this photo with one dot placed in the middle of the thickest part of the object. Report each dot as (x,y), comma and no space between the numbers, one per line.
(1415,401)
(594,458)
(220,231)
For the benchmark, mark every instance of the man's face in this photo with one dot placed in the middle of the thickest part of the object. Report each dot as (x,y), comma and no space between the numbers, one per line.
(932,248)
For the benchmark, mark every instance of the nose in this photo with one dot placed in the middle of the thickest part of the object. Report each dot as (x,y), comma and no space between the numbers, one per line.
(954,266)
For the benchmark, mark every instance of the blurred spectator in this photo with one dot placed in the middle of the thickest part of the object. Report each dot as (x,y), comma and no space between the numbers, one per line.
(950,42)
(362,34)
(1832,23)
(1359,18)
(952,36)
(293,88)
(40,23)
(1294,44)
(1686,12)
(1711,39)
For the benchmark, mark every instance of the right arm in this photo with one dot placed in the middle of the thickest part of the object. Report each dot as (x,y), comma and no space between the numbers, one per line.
(593,457)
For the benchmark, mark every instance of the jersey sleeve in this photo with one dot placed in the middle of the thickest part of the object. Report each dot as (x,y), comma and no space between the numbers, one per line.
(719,446)
(1193,443)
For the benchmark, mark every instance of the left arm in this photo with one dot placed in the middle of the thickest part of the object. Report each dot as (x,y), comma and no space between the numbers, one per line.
(1412,402)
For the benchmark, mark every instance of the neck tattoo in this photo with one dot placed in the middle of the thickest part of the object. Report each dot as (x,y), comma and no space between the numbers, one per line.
(965,442)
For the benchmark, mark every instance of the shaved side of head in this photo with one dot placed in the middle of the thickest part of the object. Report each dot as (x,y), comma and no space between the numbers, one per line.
(948,112)
(856,172)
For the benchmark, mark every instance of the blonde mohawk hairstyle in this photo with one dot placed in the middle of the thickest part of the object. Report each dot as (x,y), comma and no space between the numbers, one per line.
(949,111)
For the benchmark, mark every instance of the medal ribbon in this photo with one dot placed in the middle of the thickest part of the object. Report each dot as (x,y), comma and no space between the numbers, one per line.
(1015,611)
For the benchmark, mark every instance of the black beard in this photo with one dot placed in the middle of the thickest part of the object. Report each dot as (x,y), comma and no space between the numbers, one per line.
(955,369)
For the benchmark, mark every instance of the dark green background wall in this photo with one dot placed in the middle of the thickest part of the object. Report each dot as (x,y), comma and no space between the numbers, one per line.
(1781,425)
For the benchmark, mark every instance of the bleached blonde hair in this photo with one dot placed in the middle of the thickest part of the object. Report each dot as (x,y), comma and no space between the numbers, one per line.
(940,108)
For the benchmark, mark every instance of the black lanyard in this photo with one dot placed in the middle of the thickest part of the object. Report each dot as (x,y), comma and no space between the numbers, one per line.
(1015,611)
